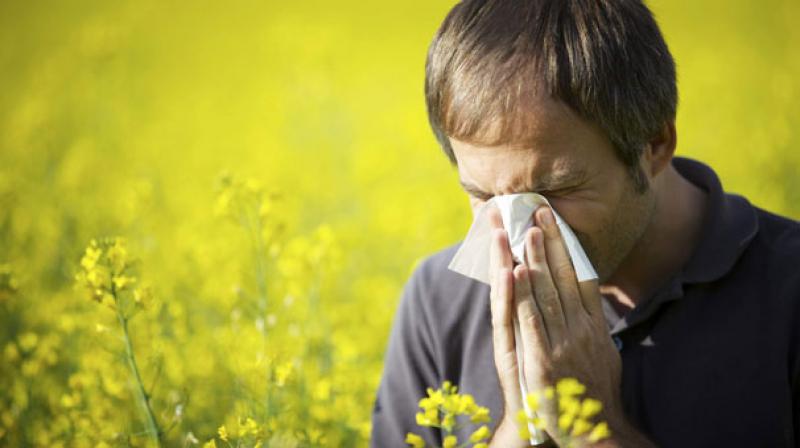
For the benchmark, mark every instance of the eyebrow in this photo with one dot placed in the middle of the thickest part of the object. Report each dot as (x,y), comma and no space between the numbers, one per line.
(544,183)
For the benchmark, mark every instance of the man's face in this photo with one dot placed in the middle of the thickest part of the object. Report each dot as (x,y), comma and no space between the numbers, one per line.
(572,163)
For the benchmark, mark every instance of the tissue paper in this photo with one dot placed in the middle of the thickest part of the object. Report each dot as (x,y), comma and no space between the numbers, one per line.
(472,257)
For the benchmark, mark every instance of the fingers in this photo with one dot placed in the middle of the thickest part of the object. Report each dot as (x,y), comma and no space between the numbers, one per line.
(535,339)
(499,252)
(590,297)
(544,290)
(505,355)
(501,299)
(560,264)
(495,220)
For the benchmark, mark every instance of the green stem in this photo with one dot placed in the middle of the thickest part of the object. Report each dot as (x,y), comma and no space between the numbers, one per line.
(152,425)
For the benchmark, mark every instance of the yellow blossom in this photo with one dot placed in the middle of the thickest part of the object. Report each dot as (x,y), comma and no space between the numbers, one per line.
(448,422)
(414,440)
(480,434)
(223,433)
(580,426)
(481,415)
(28,341)
(569,387)
(590,407)
(248,428)
(282,373)
(573,413)
(599,432)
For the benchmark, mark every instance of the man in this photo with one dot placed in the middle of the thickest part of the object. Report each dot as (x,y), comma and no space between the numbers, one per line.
(690,335)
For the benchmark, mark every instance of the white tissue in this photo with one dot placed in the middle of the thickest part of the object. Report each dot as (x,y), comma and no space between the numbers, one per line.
(472,259)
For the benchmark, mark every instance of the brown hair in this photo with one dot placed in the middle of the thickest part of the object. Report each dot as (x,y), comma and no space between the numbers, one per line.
(606,59)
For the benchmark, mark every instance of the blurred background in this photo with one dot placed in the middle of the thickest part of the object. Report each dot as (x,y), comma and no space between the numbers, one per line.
(269,171)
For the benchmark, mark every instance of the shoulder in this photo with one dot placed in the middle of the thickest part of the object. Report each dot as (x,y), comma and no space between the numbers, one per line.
(780,236)
(437,291)
(776,248)
(431,268)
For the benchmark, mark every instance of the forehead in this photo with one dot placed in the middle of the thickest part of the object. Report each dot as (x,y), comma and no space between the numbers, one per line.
(557,147)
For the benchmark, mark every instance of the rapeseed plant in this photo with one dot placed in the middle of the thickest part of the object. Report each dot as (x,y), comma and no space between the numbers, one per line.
(573,414)
(446,409)
(106,273)
(442,407)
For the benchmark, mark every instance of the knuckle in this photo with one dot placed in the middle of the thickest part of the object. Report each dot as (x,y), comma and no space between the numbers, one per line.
(559,351)
(527,315)
(506,364)
(583,336)
(548,298)
(532,319)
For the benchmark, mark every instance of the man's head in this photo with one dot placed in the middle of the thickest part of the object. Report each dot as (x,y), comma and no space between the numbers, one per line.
(573,99)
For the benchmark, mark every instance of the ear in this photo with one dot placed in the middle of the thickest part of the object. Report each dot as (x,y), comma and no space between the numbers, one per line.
(660,149)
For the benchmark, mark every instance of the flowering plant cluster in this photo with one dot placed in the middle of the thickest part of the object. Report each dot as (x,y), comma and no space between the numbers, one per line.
(573,413)
(448,410)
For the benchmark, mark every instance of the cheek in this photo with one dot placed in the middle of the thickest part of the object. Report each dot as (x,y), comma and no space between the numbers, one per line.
(583,216)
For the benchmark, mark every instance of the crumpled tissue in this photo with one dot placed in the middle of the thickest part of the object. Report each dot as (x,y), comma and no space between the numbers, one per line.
(472,259)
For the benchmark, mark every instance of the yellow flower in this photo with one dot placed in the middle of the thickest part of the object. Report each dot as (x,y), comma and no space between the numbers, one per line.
(450,441)
(533,401)
(91,256)
(481,415)
(524,433)
(599,432)
(565,421)
(210,444)
(122,281)
(573,413)
(569,405)
(223,433)
(436,397)
(415,440)
(590,407)
(448,422)
(549,392)
(480,434)
(28,341)
(282,373)
(569,387)
(118,254)
(428,418)
(579,427)
(248,428)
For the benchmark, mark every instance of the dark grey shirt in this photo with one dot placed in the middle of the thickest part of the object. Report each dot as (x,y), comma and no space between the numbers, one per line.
(712,358)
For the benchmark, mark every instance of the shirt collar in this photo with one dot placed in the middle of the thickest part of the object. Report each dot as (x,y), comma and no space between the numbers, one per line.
(730,223)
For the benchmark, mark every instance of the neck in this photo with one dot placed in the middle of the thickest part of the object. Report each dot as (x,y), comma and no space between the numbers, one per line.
(665,246)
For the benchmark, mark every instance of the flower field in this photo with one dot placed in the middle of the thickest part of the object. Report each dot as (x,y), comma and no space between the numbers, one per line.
(208,209)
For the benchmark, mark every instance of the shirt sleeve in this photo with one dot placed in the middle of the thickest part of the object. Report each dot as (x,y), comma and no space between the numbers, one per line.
(409,369)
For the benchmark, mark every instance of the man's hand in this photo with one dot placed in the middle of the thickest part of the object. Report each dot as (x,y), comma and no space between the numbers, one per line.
(563,330)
